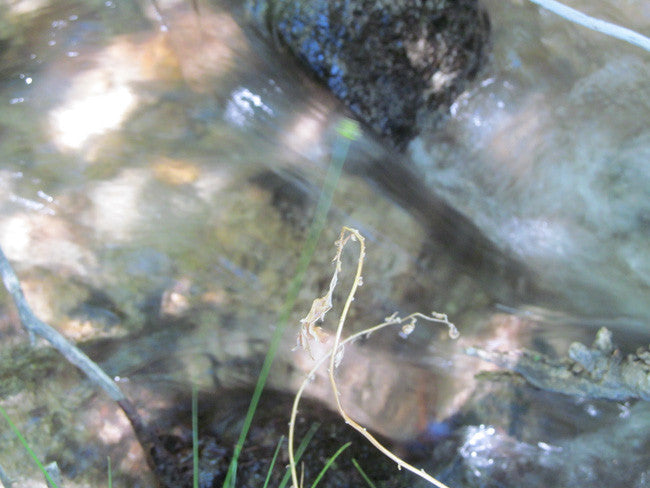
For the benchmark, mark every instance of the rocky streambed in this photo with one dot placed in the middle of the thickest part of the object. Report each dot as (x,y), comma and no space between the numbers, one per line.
(161,167)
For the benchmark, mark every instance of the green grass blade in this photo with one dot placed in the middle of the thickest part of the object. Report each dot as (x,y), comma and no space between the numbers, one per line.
(329,463)
(299,452)
(275,455)
(195,437)
(339,153)
(363,474)
(110,473)
(27,447)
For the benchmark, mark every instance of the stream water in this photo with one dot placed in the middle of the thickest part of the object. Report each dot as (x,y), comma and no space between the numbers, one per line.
(158,174)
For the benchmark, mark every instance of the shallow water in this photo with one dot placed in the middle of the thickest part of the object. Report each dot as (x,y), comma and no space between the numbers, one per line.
(548,154)
(158,181)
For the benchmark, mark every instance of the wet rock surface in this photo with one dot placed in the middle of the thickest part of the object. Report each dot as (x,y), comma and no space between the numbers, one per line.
(601,371)
(489,455)
(513,429)
(388,61)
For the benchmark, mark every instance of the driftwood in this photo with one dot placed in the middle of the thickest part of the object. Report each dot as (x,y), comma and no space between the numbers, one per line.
(600,371)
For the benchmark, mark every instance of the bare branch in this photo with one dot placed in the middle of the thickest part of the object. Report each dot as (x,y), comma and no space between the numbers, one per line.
(37,327)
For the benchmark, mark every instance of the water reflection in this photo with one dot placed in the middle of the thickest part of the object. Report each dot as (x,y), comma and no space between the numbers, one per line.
(547,155)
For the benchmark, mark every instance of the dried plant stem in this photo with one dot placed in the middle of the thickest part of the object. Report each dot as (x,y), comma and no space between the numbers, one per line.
(335,355)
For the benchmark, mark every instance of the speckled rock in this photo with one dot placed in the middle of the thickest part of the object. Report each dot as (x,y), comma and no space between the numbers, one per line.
(387,60)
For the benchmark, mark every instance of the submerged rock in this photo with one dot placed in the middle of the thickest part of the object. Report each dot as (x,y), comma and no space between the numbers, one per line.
(547,153)
(386,60)
(597,372)
(396,65)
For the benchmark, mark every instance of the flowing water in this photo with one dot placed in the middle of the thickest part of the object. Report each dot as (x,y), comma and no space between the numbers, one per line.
(159,172)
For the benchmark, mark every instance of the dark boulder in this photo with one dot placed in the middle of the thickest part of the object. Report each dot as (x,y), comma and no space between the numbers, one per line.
(386,59)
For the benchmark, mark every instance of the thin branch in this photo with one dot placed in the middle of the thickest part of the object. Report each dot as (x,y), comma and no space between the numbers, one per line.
(37,327)
(592,23)
(152,446)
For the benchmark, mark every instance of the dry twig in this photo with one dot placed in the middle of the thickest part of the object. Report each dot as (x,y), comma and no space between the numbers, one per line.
(335,355)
